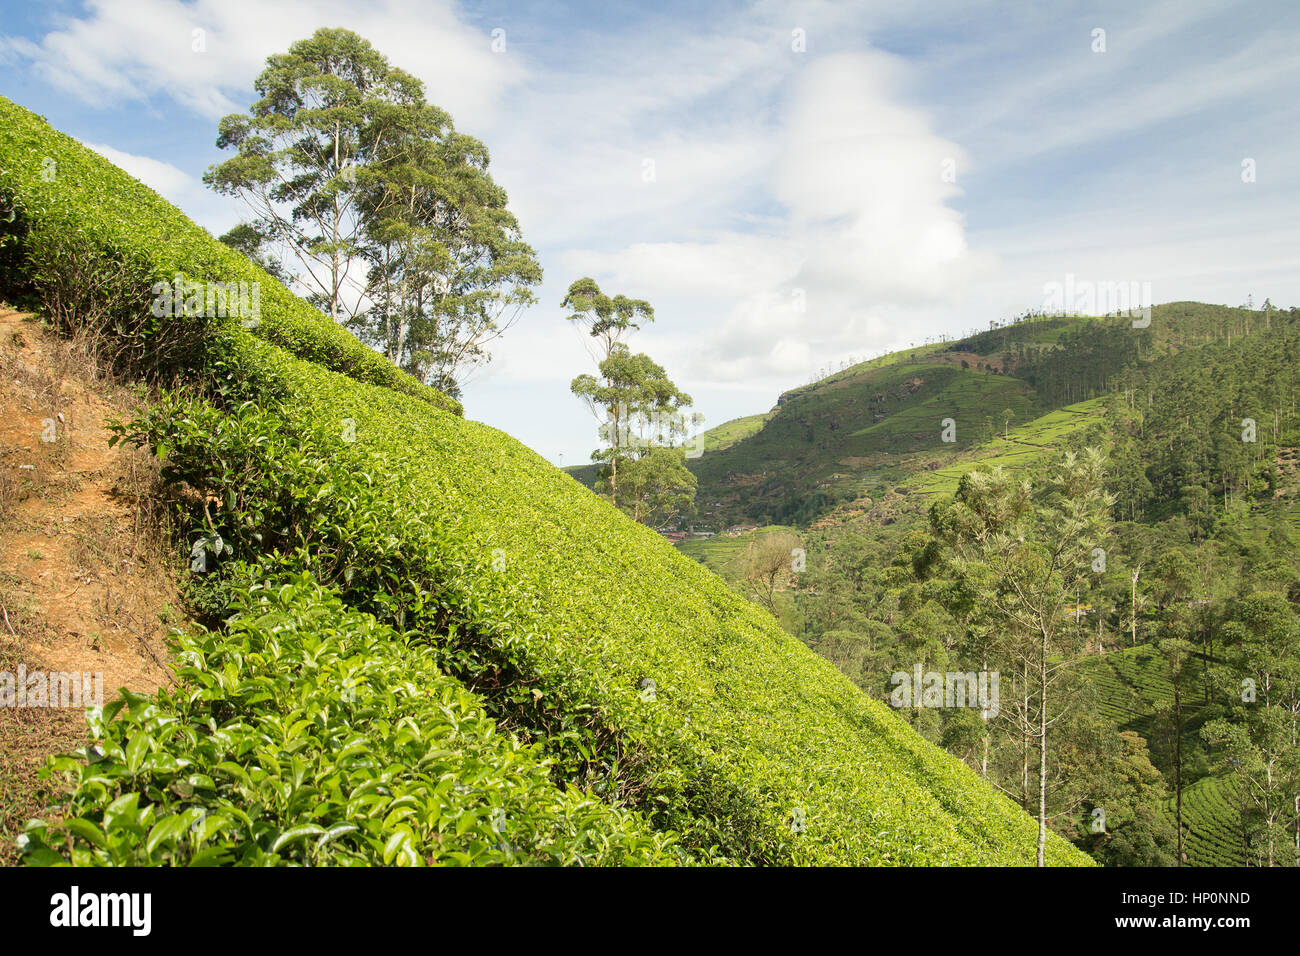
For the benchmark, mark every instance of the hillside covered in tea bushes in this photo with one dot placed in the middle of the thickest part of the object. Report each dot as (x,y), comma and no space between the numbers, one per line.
(422,643)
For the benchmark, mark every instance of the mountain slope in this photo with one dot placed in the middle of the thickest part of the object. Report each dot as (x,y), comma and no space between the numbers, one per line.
(1199,414)
(99,242)
(863,430)
(655,708)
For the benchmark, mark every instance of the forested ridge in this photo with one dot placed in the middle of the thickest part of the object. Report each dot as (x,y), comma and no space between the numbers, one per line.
(1175,682)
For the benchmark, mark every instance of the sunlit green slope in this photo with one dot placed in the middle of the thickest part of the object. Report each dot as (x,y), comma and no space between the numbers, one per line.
(662,709)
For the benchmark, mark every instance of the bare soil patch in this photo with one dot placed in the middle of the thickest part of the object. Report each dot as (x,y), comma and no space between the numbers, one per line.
(87,581)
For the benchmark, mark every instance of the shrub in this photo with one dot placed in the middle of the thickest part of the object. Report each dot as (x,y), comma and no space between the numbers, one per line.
(307,734)
(661,716)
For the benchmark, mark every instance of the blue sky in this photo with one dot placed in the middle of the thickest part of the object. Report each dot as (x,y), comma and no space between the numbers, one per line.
(912,171)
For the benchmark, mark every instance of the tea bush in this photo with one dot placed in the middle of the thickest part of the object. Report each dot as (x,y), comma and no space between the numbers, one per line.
(747,726)
(307,734)
(556,609)
(660,717)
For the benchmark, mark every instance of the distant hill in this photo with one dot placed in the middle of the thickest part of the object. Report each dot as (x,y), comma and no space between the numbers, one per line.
(728,433)
(864,430)
(1198,412)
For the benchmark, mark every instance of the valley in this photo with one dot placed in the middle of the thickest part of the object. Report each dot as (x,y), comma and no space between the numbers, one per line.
(1204,510)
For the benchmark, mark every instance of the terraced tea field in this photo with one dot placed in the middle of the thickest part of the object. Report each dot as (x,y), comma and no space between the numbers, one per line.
(1212,823)
(1024,446)
(1132,686)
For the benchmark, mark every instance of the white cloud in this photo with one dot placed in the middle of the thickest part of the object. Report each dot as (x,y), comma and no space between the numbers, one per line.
(779,172)
(864,225)
(727,267)
(210,210)
(847,177)
(206,54)
(862,175)
(14,50)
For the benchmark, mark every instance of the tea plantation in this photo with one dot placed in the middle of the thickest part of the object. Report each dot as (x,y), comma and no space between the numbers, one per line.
(424,644)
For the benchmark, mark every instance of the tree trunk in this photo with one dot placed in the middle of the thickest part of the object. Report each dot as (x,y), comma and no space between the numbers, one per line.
(334,254)
(1042,752)
(984,760)
(1178,765)
(1133,609)
(613,476)
(1024,739)
(1269,813)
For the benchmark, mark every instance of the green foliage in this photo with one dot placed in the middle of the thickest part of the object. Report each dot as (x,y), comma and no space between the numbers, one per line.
(644,413)
(305,733)
(1208,499)
(728,433)
(606,318)
(1259,742)
(1129,790)
(657,487)
(450,271)
(844,437)
(343,160)
(1020,558)
(721,552)
(506,569)
(1026,448)
(252,242)
(94,241)
(1212,831)
(432,591)
(875,424)
(325,109)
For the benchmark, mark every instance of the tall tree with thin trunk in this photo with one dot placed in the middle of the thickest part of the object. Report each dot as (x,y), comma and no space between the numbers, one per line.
(645,417)
(449,271)
(1027,556)
(1260,742)
(608,320)
(299,151)
(1177,651)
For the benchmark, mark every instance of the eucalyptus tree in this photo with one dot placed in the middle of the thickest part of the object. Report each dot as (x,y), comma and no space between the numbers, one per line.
(1259,741)
(392,214)
(608,320)
(300,150)
(645,417)
(449,271)
(1027,556)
